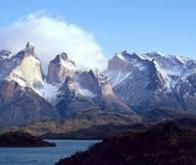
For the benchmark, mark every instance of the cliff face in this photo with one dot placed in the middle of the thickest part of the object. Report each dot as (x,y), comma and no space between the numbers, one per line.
(59,68)
(22,105)
(24,68)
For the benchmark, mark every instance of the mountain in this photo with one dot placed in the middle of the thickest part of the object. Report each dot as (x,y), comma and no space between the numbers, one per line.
(20,76)
(152,80)
(24,68)
(29,96)
(86,90)
(80,90)
(165,143)
(60,67)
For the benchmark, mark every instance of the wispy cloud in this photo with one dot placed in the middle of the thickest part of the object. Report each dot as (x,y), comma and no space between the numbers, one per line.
(52,36)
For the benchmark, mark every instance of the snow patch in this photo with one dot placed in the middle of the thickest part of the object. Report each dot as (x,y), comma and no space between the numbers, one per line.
(117,77)
(84,91)
(48,92)
(67,64)
(120,56)
(164,75)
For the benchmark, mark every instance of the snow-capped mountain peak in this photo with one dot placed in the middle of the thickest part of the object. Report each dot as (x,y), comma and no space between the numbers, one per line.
(60,67)
(29,45)
(29,50)
(151,79)
(26,68)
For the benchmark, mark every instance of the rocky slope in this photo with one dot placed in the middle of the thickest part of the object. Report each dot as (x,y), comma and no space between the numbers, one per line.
(96,132)
(80,121)
(20,106)
(163,144)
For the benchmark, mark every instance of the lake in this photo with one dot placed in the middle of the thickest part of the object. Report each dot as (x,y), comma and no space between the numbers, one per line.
(43,156)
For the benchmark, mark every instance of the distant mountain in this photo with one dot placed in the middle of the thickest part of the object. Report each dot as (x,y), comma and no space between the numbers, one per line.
(86,90)
(153,80)
(79,90)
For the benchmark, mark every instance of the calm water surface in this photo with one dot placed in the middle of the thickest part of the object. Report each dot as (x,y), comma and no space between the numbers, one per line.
(43,156)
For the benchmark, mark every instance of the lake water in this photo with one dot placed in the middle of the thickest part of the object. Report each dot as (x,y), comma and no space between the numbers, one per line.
(43,156)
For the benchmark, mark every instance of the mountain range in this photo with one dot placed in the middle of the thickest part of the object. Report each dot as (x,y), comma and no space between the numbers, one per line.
(152,80)
(134,88)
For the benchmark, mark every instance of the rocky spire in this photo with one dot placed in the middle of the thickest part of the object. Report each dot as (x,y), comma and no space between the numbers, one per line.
(60,67)
(63,56)
(26,68)
(30,49)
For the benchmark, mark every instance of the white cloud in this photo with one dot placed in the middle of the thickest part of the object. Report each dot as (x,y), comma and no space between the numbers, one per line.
(52,36)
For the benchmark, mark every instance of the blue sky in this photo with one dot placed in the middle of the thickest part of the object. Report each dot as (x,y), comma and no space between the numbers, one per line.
(168,26)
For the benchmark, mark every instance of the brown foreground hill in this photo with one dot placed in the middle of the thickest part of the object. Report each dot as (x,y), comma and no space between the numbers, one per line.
(164,144)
